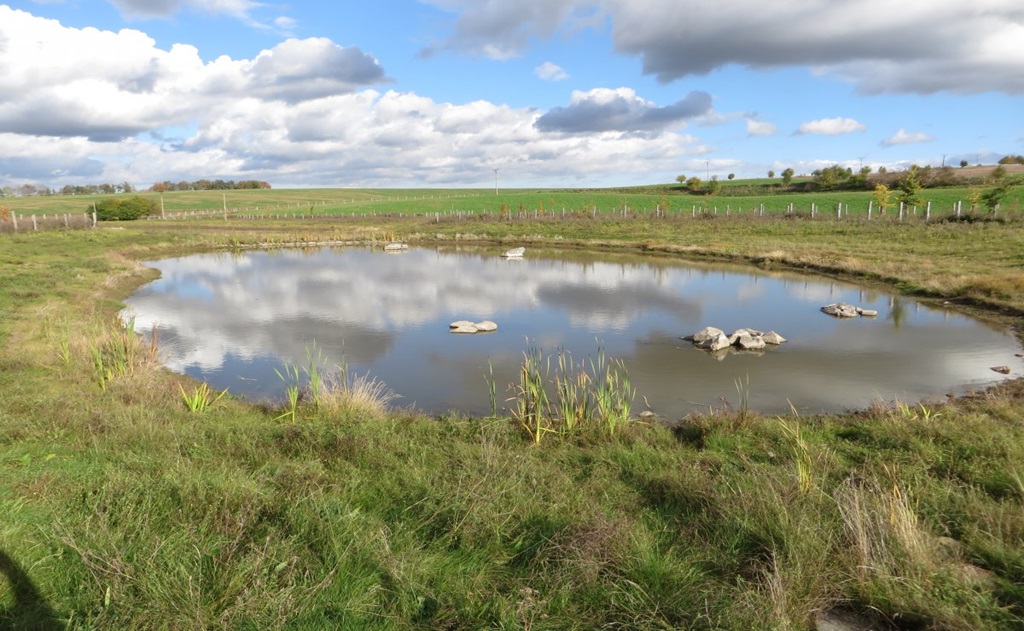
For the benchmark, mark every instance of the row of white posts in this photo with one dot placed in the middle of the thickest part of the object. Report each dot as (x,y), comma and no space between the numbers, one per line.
(88,221)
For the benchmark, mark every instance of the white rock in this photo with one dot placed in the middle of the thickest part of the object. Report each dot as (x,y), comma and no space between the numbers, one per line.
(486,326)
(771,337)
(840,310)
(708,332)
(750,332)
(867,312)
(749,342)
(715,343)
(460,323)
(468,328)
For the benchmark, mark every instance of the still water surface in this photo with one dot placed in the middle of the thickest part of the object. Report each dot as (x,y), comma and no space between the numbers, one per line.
(234,319)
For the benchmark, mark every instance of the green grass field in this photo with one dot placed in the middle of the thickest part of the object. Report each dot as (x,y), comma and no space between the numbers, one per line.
(672,199)
(123,505)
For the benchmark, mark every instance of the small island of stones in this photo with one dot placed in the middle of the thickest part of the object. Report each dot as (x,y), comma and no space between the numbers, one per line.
(711,339)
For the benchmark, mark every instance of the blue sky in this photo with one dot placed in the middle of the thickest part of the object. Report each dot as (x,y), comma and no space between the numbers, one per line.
(437,93)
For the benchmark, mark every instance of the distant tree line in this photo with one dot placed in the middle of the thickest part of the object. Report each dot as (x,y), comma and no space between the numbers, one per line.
(207,185)
(838,178)
(907,183)
(34,190)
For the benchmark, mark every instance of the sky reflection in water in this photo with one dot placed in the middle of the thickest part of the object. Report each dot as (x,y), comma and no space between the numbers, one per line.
(233,319)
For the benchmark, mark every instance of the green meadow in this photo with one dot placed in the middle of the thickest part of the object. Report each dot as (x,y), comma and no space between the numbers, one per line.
(740,197)
(135,498)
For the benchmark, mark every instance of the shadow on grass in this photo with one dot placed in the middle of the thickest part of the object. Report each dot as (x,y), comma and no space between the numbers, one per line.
(29,610)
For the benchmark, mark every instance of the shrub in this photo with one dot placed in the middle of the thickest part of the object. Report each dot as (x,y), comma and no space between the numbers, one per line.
(125,209)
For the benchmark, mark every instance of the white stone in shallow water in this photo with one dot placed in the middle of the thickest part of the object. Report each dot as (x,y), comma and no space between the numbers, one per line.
(466,328)
(486,326)
(704,334)
(750,342)
(715,343)
(841,310)
(750,332)
(771,337)
(460,323)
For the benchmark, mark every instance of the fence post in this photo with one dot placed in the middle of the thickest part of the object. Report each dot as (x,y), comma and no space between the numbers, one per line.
(928,212)
(901,211)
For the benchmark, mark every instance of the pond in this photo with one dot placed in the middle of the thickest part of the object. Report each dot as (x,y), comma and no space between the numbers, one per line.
(235,320)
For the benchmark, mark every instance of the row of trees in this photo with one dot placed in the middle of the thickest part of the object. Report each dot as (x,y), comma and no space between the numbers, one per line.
(909,187)
(34,190)
(207,185)
(1011,160)
(713,186)
(904,187)
(845,178)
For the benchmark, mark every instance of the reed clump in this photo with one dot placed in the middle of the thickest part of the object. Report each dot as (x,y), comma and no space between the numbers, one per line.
(563,397)
(118,352)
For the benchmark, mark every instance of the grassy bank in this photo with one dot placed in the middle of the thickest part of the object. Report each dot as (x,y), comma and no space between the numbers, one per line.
(121,508)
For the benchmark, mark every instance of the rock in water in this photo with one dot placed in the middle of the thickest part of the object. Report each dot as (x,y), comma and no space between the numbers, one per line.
(714,343)
(749,342)
(773,338)
(704,334)
(840,310)
(486,326)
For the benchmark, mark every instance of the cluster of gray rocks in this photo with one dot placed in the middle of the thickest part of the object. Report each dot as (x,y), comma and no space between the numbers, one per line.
(711,339)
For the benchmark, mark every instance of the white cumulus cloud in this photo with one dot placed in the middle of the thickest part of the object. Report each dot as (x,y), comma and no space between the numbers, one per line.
(831,126)
(550,72)
(970,47)
(302,113)
(759,128)
(603,109)
(903,137)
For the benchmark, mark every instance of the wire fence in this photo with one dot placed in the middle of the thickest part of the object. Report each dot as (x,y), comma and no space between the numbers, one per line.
(12,222)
